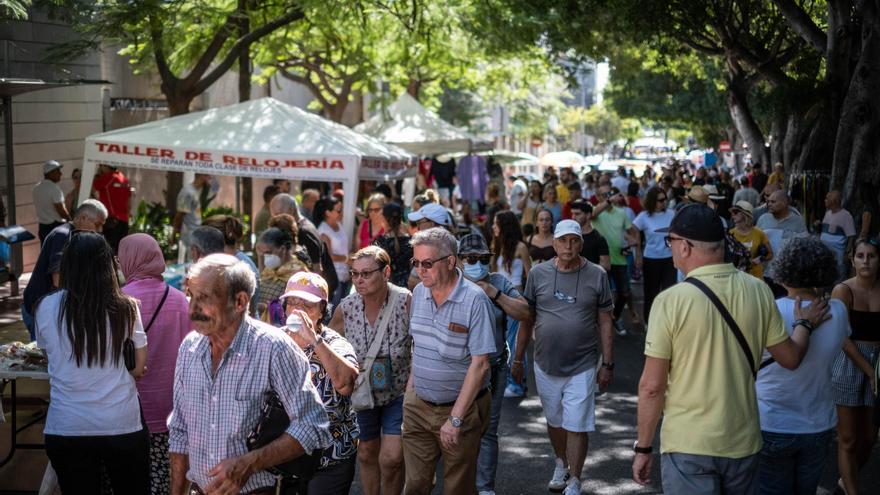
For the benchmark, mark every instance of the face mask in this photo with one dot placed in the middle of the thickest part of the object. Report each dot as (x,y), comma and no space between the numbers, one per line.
(271,261)
(476,271)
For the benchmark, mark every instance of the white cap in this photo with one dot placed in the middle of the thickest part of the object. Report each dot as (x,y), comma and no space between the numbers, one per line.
(433,212)
(50,166)
(566,227)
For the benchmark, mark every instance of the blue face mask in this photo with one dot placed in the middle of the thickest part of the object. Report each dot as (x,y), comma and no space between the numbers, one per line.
(477,271)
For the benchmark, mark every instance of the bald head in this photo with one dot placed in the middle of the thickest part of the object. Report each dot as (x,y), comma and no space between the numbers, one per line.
(777,204)
(832,200)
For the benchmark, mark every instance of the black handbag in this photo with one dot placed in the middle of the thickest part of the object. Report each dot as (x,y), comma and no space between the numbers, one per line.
(128,344)
(272,424)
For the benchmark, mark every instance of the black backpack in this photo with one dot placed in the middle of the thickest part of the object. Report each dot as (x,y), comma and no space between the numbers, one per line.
(736,252)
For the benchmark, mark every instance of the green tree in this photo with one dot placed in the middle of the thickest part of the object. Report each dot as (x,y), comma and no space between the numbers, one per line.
(14,9)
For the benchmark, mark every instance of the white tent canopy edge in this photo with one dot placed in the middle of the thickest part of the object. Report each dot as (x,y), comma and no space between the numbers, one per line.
(262,138)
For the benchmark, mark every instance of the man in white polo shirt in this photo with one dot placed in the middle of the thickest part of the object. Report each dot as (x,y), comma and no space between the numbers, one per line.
(446,405)
(571,308)
(49,200)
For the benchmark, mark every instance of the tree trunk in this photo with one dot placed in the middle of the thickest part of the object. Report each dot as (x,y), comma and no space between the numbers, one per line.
(246,184)
(178,104)
(737,103)
(837,54)
(857,147)
(414,87)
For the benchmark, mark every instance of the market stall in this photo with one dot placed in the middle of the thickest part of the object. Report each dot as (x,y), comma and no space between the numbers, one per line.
(409,125)
(262,138)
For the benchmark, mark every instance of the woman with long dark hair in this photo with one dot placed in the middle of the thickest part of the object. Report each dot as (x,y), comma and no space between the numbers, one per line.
(510,255)
(656,257)
(94,417)
(395,242)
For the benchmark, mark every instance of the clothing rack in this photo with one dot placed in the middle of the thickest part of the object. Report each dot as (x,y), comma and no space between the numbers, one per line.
(808,189)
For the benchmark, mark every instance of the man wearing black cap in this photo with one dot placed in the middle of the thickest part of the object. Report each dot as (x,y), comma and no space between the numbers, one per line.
(705,338)
(595,248)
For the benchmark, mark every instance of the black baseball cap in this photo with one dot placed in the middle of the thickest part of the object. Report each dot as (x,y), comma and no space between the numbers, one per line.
(472,244)
(696,222)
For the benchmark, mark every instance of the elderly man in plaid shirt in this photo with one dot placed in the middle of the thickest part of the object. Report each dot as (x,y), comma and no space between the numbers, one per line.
(224,370)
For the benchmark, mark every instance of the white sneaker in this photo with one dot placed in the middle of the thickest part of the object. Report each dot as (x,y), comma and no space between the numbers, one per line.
(573,488)
(560,477)
(487,492)
(618,326)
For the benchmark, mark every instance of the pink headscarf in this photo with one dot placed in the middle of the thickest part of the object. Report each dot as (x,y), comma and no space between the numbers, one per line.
(140,257)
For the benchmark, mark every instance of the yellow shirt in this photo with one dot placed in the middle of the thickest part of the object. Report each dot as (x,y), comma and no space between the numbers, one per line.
(562,194)
(711,407)
(753,241)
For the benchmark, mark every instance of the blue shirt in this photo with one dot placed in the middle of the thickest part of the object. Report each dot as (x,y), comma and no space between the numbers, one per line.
(214,413)
(446,336)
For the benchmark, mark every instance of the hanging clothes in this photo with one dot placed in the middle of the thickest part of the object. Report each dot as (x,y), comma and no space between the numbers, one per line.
(443,172)
(473,177)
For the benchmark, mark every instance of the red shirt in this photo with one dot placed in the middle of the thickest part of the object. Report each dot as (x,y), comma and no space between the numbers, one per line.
(114,191)
(634,203)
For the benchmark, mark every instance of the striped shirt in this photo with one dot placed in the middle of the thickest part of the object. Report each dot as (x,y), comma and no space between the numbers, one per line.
(445,338)
(213,414)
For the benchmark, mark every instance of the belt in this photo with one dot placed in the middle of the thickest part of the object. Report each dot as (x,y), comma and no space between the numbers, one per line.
(452,403)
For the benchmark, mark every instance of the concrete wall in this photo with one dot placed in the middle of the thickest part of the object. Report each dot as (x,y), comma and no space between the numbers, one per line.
(47,124)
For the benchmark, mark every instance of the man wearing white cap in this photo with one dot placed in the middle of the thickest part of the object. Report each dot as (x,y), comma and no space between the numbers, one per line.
(49,200)
(570,309)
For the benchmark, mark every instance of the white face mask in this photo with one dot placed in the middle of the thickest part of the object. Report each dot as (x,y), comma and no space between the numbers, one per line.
(271,261)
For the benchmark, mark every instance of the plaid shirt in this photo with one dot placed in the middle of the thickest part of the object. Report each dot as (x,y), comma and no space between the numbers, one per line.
(214,413)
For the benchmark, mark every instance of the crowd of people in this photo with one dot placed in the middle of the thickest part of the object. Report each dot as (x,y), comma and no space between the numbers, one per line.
(392,347)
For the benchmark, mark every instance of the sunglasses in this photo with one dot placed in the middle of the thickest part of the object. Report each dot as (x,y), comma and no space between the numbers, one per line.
(477,258)
(374,210)
(427,264)
(661,199)
(364,274)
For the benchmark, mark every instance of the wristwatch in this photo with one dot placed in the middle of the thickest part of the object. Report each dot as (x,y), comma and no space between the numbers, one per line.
(608,366)
(642,450)
(455,420)
(497,295)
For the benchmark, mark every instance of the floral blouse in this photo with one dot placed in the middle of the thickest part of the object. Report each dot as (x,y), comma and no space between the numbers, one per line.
(397,342)
(343,419)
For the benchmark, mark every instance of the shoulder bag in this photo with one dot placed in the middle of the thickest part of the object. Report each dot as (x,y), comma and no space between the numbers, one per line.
(128,344)
(272,424)
(362,397)
(731,323)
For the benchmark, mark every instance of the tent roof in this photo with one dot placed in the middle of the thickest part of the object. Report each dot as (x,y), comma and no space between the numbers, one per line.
(418,130)
(265,125)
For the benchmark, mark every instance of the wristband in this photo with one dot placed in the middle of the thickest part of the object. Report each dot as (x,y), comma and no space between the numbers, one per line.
(805,323)
(517,362)
(497,295)
(642,450)
(608,366)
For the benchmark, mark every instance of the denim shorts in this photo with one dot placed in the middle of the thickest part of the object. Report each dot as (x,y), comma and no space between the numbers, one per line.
(387,418)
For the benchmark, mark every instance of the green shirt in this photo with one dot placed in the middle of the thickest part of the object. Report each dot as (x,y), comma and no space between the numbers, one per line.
(612,223)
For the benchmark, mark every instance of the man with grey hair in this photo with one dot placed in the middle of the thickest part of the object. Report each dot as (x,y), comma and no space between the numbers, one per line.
(90,215)
(309,198)
(446,405)
(704,339)
(225,370)
(307,236)
(204,241)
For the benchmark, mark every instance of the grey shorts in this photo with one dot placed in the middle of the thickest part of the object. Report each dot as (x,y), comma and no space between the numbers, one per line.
(851,386)
(709,475)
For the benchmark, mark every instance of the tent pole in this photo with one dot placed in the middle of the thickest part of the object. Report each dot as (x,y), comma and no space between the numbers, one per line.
(237,194)
(10,162)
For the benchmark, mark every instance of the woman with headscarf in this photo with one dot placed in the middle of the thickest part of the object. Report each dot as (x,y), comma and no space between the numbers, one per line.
(165,313)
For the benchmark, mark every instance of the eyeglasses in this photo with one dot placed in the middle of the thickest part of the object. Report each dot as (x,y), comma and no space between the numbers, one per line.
(374,210)
(364,274)
(669,239)
(297,302)
(559,295)
(661,199)
(477,258)
(427,264)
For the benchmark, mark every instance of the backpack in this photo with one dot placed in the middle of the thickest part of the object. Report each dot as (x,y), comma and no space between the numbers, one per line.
(736,253)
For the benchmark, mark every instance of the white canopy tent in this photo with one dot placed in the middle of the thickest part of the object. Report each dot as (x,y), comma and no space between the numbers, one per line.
(263,138)
(418,130)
